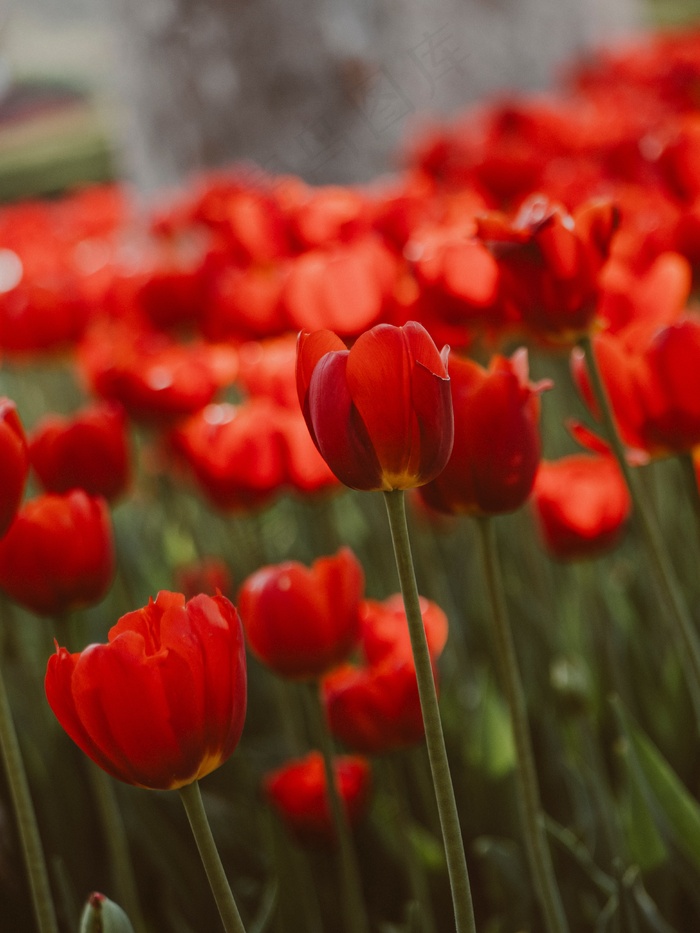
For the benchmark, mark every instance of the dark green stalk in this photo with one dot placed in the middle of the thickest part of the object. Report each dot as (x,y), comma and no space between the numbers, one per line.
(536,845)
(435,740)
(30,839)
(192,800)
(355,912)
(683,630)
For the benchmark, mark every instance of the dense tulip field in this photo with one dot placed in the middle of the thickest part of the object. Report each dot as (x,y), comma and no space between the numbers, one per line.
(366,523)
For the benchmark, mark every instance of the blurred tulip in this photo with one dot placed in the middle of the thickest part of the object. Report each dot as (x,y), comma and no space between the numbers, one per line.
(298,792)
(15,462)
(550,262)
(206,575)
(375,707)
(163,703)
(581,504)
(89,450)
(497,443)
(303,621)
(243,455)
(59,553)
(380,413)
(652,376)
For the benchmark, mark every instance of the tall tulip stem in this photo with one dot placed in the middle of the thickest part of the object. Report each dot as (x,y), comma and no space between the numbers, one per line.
(30,839)
(683,629)
(355,913)
(191,797)
(435,740)
(536,845)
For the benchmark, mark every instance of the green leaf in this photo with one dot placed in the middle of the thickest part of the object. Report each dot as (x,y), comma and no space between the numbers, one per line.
(677,812)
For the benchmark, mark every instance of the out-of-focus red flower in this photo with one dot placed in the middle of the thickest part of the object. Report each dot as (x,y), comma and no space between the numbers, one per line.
(302,621)
(550,262)
(206,575)
(581,504)
(243,455)
(153,378)
(267,368)
(652,377)
(380,413)
(375,707)
(89,450)
(384,629)
(298,792)
(342,287)
(14,457)
(58,554)
(163,703)
(497,443)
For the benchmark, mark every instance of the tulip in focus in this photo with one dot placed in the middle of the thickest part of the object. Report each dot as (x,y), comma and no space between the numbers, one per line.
(497,443)
(379,413)
(581,504)
(59,553)
(163,703)
(298,792)
(300,621)
(15,462)
(89,451)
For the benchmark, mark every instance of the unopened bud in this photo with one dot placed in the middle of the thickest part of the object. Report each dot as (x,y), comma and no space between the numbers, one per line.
(101,915)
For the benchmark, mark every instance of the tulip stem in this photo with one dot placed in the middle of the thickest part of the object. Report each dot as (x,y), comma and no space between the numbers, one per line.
(435,740)
(356,915)
(191,797)
(536,845)
(683,630)
(26,819)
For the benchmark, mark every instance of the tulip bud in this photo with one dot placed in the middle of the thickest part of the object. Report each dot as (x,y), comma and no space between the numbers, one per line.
(101,915)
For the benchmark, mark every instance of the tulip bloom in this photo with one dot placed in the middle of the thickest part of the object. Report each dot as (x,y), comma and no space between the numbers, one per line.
(497,444)
(581,504)
(15,462)
(652,376)
(298,792)
(375,707)
(163,703)
(380,413)
(303,621)
(59,553)
(550,264)
(88,451)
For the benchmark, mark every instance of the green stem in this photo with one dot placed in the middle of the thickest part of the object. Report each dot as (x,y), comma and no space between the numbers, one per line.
(355,913)
(691,481)
(683,629)
(117,844)
(536,845)
(435,740)
(192,799)
(26,818)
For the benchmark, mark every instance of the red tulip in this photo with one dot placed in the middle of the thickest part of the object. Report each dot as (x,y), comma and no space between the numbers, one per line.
(380,413)
(58,554)
(15,462)
(163,703)
(243,455)
(298,792)
(652,376)
(206,575)
(86,451)
(550,263)
(303,621)
(581,504)
(375,707)
(497,444)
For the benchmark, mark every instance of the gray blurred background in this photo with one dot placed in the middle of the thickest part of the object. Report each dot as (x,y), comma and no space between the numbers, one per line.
(151,90)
